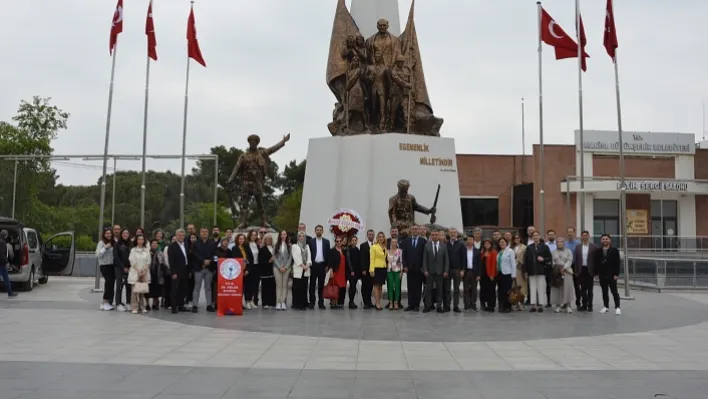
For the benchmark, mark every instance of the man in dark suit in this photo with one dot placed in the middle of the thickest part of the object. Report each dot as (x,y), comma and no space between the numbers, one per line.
(177,257)
(454,248)
(436,268)
(469,271)
(319,250)
(584,272)
(413,248)
(367,285)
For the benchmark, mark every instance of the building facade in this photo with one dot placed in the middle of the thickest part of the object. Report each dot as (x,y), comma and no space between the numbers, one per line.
(666,183)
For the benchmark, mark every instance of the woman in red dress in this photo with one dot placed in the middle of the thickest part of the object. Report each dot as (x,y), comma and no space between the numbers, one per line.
(338,272)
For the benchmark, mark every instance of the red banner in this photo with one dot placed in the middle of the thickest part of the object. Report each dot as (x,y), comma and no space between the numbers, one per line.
(229,287)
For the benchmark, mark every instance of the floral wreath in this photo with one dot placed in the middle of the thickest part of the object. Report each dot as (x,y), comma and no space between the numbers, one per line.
(345,222)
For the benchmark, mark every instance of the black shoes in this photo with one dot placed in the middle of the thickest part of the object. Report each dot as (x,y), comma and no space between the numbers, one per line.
(440,310)
(456,310)
(211,309)
(426,310)
(352,305)
(195,309)
(322,306)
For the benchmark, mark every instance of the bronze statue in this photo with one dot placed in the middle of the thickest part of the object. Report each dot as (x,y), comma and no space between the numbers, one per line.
(401,89)
(354,101)
(250,172)
(347,42)
(402,208)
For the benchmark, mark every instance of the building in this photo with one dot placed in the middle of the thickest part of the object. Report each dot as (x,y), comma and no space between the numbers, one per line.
(666,180)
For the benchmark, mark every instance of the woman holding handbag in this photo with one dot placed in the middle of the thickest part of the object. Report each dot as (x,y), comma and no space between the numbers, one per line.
(563,288)
(337,285)
(139,274)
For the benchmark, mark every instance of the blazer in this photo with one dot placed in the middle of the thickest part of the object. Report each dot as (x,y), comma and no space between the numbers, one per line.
(607,266)
(333,259)
(301,258)
(236,253)
(476,260)
(578,259)
(325,249)
(283,260)
(364,253)
(377,258)
(413,255)
(532,266)
(265,265)
(454,250)
(178,262)
(508,262)
(353,255)
(436,264)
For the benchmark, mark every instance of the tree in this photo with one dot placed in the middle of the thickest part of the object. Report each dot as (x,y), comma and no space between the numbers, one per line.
(288,216)
(293,176)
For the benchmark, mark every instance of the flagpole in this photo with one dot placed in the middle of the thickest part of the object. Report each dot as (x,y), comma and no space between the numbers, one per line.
(184,143)
(145,123)
(542,205)
(580,106)
(102,206)
(623,185)
(523,142)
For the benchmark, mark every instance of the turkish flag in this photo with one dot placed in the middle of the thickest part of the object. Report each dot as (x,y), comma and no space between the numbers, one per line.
(610,39)
(193,50)
(150,32)
(553,35)
(116,26)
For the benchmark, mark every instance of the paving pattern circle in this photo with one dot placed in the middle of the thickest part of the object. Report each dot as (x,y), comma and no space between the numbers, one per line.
(649,312)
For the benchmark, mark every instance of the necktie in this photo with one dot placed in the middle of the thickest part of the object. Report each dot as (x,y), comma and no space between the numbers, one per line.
(415,242)
(435,250)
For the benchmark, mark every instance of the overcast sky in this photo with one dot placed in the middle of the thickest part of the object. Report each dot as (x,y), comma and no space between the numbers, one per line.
(266,63)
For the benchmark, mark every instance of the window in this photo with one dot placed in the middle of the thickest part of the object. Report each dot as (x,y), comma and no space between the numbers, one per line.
(666,208)
(605,218)
(32,240)
(606,208)
(480,211)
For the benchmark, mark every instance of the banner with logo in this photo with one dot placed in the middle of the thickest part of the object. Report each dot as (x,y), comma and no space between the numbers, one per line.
(229,287)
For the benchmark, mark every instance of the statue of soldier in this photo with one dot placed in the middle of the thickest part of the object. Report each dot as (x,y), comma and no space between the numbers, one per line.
(401,88)
(250,173)
(402,208)
(378,77)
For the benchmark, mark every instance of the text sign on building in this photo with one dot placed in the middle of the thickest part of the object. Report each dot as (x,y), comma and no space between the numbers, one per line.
(605,141)
(445,164)
(655,185)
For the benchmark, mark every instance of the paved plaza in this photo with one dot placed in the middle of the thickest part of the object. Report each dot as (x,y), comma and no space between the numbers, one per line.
(57,344)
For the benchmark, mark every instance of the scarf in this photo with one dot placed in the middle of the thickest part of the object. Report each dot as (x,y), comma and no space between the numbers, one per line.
(303,250)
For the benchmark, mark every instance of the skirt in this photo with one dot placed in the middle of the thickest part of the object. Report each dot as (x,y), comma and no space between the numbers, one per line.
(380,275)
(564,294)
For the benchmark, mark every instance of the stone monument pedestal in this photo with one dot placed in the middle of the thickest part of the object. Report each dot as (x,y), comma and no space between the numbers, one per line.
(361,173)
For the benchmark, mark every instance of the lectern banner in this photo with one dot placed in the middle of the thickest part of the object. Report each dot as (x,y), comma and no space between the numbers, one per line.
(229,287)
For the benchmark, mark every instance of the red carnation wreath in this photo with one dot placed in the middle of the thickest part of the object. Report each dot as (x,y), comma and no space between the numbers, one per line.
(345,222)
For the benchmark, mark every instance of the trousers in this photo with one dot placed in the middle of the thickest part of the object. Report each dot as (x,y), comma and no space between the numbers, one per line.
(537,290)
(415,280)
(488,296)
(455,297)
(367,287)
(469,284)
(281,285)
(122,282)
(393,283)
(300,293)
(317,280)
(430,281)
(353,280)
(504,282)
(586,285)
(609,283)
(203,277)
(109,282)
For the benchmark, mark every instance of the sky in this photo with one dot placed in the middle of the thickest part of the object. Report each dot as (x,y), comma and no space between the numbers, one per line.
(266,62)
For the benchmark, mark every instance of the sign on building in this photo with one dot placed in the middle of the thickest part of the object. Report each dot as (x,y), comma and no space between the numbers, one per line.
(636,143)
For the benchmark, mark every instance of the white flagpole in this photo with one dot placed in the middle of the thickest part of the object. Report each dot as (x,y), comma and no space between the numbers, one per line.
(542,205)
(102,206)
(623,185)
(580,106)
(145,124)
(184,144)
(523,141)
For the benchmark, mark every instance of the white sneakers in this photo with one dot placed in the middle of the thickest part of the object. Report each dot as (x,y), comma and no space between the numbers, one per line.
(106,306)
(618,312)
(558,309)
(569,310)
(281,306)
(248,305)
(122,308)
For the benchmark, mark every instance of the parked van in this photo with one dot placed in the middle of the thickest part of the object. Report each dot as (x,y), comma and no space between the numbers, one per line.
(35,259)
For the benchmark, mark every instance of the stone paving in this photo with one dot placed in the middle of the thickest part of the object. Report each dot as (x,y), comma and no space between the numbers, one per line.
(57,344)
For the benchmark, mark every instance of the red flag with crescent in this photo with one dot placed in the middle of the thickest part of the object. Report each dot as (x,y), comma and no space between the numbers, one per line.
(150,32)
(610,39)
(193,50)
(116,26)
(553,35)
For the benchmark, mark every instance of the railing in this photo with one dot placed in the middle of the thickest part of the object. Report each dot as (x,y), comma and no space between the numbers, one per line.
(667,273)
(662,246)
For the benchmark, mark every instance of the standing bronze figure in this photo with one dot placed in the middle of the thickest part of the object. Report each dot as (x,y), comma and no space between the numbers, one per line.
(402,208)
(378,57)
(249,174)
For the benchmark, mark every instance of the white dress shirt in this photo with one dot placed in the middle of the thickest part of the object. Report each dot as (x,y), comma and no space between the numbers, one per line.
(184,250)
(470,258)
(585,251)
(254,251)
(319,257)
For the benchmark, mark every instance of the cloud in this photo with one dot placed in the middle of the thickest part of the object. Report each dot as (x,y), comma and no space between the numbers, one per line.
(266,65)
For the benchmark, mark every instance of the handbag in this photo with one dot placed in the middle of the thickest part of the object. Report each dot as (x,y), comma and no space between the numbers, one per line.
(141,288)
(331,291)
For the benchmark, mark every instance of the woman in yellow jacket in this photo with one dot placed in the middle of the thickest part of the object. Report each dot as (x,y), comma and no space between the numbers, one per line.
(377,267)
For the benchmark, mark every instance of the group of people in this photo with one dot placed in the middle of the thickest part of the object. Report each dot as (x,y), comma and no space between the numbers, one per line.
(497,272)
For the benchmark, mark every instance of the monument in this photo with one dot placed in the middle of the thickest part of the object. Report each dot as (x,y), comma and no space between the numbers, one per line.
(383,133)
(378,82)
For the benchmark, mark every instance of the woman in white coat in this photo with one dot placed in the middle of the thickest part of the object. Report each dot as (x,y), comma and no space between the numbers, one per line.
(139,274)
(506,266)
(302,261)
(562,288)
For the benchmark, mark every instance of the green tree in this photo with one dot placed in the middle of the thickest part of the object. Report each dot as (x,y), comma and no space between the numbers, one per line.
(293,177)
(288,216)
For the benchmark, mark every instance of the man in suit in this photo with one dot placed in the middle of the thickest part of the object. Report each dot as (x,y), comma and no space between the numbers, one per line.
(471,264)
(607,266)
(319,250)
(301,227)
(179,265)
(367,285)
(584,272)
(455,247)
(413,248)
(436,268)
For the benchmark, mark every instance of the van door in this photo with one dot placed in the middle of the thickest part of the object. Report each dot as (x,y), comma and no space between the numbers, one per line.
(58,254)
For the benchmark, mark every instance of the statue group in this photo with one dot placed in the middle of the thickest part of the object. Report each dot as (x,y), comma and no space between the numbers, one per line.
(378,82)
